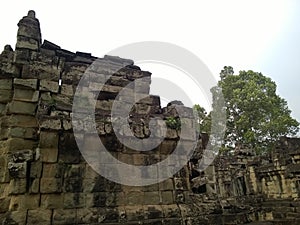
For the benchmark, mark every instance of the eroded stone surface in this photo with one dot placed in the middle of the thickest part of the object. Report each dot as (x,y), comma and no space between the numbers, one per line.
(45,180)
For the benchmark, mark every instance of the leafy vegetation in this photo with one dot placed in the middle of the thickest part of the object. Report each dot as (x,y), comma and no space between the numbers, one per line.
(204,119)
(256,115)
(173,123)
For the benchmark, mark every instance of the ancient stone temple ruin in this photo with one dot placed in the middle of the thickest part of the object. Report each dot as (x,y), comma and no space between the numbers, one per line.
(44,180)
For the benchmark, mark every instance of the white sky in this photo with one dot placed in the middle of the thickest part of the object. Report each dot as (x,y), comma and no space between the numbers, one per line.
(261,35)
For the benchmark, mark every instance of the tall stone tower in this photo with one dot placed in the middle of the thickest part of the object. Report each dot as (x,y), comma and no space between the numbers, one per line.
(28,38)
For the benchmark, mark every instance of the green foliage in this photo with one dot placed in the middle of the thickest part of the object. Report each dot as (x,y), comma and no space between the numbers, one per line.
(173,123)
(256,115)
(204,119)
(228,70)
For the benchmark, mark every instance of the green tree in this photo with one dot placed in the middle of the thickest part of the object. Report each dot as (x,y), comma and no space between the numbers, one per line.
(227,70)
(256,115)
(204,119)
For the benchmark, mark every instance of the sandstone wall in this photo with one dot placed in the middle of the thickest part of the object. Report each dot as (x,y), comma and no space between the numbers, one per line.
(45,180)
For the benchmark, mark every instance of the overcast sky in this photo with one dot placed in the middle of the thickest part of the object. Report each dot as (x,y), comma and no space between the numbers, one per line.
(261,35)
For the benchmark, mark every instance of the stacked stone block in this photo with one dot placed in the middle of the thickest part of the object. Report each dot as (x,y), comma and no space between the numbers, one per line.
(44,178)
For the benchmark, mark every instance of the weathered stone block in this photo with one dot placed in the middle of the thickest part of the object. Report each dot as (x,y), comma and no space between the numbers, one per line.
(51,185)
(39,217)
(152,198)
(22,56)
(142,87)
(180,184)
(25,83)
(27,43)
(112,215)
(135,213)
(24,202)
(153,212)
(48,140)
(17,170)
(120,198)
(53,170)
(6,84)
(67,90)
(25,155)
(111,186)
(73,185)
(50,123)
(52,201)
(42,71)
(139,159)
(46,85)
(18,107)
(166,185)
(135,198)
(30,31)
(17,186)
(15,144)
(9,70)
(88,185)
(73,73)
(3,168)
(189,131)
(63,103)
(173,221)
(4,204)
(98,184)
(73,200)
(171,211)
(97,199)
(90,173)
(126,158)
(19,121)
(171,134)
(2,109)
(49,155)
(68,149)
(75,171)
(4,134)
(179,196)
(167,147)
(64,216)
(21,132)
(66,124)
(46,96)
(16,217)
(34,186)
(5,96)
(142,109)
(152,100)
(104,105)
(167,197)
(36,169)
(91,215)
(26,95)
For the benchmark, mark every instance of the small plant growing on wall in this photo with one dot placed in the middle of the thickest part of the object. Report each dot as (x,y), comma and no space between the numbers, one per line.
(173,123)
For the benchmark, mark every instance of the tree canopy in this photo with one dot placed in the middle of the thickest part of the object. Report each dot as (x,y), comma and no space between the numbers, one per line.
(256,115)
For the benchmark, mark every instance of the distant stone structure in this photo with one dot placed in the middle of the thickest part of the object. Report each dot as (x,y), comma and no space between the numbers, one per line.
(44,180)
